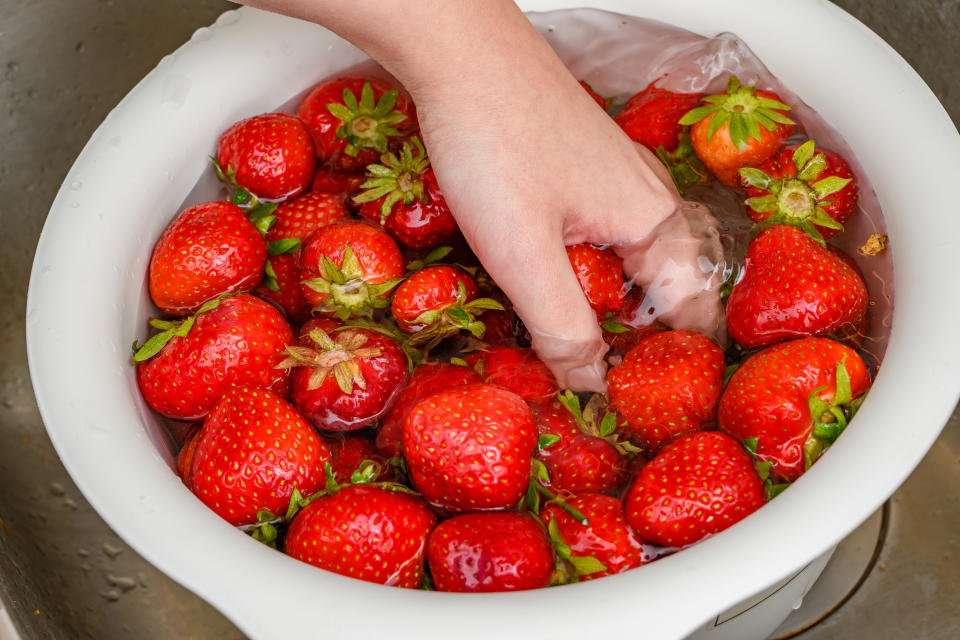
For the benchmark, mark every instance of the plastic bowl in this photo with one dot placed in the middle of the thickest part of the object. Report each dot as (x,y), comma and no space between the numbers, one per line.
(88,300)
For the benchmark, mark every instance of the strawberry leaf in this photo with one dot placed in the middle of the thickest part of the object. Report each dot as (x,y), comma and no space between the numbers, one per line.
(270,277)
(612,326)
(698,113)
(547,440)
(283,246)
(608,425)
(586,565)
(829,186)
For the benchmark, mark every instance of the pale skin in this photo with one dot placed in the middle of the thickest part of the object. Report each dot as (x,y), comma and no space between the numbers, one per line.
(528,163)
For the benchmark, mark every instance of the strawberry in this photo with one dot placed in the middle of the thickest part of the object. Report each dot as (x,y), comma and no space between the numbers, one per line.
(185,456)
(600,274)
(470,448)
(792,400)
(270,156)
(364,532)
(652,117)
(667,386)
(348,268)
(253,450)
(345,380)
(793,287)
(607,539)
(183,370)
(739,128)
(344,183)
(600,100)
(519,370)
(350,451)
(625,328)
(700,484)
(576,460)
(324,323)
(402,195)
(209,249)
(802,186)
(351,132)
(426,380)
(293,221)
(486,552)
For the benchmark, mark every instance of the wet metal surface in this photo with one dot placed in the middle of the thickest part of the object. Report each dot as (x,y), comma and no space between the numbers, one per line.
(65,574)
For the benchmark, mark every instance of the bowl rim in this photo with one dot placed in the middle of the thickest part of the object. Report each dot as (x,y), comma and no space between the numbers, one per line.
(120,471)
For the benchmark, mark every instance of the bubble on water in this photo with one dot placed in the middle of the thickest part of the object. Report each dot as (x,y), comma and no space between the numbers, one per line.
(202,34)
(228,18)
(175,90)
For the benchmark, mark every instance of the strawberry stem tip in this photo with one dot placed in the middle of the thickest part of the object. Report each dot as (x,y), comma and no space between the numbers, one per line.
(170,329)
(396,179)
(369,123)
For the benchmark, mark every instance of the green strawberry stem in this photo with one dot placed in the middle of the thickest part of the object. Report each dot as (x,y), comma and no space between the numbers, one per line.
(434,256)
(348,294)
(396,179)
(450,320)
(170,329)
(685,168)
(569,567)
(538,478)
(369,123)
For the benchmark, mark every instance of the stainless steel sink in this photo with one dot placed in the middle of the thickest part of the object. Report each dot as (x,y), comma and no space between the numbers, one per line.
(65,574)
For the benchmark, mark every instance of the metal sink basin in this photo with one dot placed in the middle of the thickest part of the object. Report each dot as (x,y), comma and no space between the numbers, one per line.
(65,574)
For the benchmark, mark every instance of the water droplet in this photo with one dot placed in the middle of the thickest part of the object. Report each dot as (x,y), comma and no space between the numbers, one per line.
(228,18)
(110,595)
(202,34)
(45,268)
(111,550)
(169,176)
(797,604)
(57,489)
(175,90)
(75,204)
(286,49)
(125,583)
(116,141)
(83,553)
(80,47)
(13,66)
(76,185)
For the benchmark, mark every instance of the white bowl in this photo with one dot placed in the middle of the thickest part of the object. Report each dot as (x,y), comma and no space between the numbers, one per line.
(88,300)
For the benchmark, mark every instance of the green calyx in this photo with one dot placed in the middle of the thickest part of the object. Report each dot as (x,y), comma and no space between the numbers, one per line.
(569,568)
(596,420)
(685,168)
(170,329)
(799,201)
(337,357)
(369,123)
(444,322)
(348,294)
(764,468)
(831,416)
(397,179)
(742,110)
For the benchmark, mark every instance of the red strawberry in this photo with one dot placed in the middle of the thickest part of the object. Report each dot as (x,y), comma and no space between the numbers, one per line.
(352,120)
(652,116)
(343,183)
(792,400)
(208,250)
(519,370)
(576,461)
(485,552)
(804,187)
(624,329)
(470,448)
(347,379)
(739,128)
(270,156)
(600,274)
(347,268)
(184,369)
(700,484)
(667,386)
(793,287)
(283,290)
(364,532)
(600,100)
(185,456)
(402,195)
(324,323)
(607,538)
(348,454)
(426,380)
(253,450)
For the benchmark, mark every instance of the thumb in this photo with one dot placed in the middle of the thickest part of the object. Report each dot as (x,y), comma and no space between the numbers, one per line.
(535,273)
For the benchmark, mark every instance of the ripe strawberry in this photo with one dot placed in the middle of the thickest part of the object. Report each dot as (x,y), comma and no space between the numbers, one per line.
(350,451)
(184,369)
(402,195)
(600,274)
(739,128)
(345,380)
(208,250)
(810,189)
(793,287)
(344,183)
(350,133)
(324,323)
(253,450)
(576,461)
(347,268)
(185,456)
(792,400)
(652,116)
(364,532)
(270,156)
(607,538)
(600,100)
(625,328)
(519,370)
(667,386)
(293,221)
(470,448)
(700,484)
(426,380)
(486,552)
